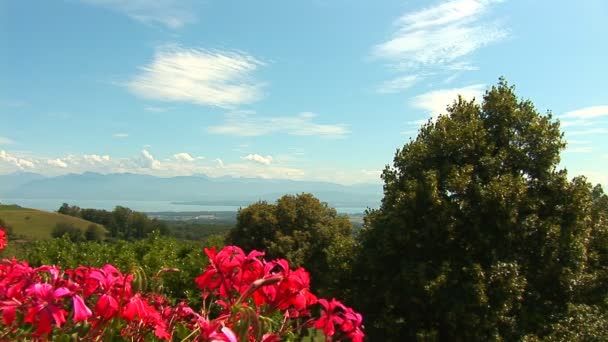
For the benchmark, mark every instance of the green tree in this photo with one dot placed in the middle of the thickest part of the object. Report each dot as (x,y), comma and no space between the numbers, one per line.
(479,236)
(68,229)
(95,233)
(302,229)
(66,209)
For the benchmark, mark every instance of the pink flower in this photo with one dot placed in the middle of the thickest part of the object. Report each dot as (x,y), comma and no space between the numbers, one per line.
(81,311)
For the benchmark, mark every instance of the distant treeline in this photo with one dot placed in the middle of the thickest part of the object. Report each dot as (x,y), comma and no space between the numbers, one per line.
(121,223)
(124,223)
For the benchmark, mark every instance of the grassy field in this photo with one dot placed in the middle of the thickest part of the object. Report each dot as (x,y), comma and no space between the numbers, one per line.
(33,224)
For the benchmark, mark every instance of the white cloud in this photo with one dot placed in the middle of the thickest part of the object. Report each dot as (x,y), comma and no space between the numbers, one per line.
(243,123)
(120,135)
(18,162)
(590,131)
(437,41)
(573,123)
(587,113)
(6,141)
(579,149)
(148,161)
(461,66)
(183,156)
(94,158)
(579,142)
(436,101)
(204,77)
(57,163)
(440,35)
(372,173)
(156,109)
(265,160)
(399,84)
(170,13)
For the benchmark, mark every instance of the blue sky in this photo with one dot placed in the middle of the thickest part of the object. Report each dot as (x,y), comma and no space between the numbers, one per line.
(315,90)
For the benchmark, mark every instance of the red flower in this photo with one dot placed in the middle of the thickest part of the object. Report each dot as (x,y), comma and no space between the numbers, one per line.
(2,239)
(45,307)
(223,273)
(335,313)
(329,316)
(135,307)
(292,293)
(9,310)
(106,307)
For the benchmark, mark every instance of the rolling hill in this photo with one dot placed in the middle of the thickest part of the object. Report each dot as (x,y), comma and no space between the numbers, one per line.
(33,224)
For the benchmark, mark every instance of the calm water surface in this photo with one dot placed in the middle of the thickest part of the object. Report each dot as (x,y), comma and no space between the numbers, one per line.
(52,204)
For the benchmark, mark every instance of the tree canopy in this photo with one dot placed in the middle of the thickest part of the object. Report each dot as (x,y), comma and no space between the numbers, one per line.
(122,222)
(302,229)
(479,235)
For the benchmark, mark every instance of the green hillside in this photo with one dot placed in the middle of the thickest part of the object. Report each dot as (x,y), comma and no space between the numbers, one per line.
(35,224)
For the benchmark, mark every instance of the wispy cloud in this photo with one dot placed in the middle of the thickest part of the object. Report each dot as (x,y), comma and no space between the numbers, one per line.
(579,149)
(585,122)
(120,135)
(590,131)
(247,124)
(575,123)
(6,141)
(440,35)
(587,113)
(398,84)
(436,101)
(438,40)
(156,109)
(265,160)
(170,13)
(204,77)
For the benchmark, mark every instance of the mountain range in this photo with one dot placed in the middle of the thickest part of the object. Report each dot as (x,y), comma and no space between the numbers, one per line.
(199,189)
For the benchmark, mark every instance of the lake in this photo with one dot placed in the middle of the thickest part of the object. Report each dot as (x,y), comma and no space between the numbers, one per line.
(52,204)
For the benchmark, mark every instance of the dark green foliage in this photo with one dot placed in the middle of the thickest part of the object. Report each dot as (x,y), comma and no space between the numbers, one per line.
(159,262)
(479,236)
(302,229)
(95,233)
(121,223)
(73,234)
(192,230)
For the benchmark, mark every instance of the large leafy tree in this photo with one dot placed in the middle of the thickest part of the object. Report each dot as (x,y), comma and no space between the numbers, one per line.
(302,229)
(479,235)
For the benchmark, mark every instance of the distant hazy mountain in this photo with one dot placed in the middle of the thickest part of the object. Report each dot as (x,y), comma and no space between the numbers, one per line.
(200,188)
(17,179)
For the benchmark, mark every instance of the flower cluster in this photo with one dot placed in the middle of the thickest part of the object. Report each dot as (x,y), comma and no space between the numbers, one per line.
(244,298)
(2,239)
